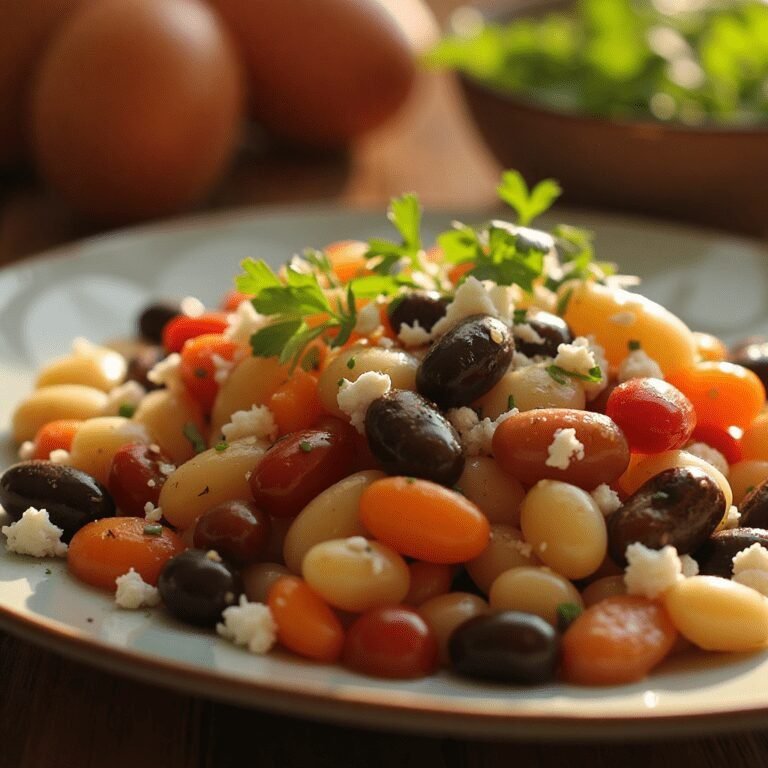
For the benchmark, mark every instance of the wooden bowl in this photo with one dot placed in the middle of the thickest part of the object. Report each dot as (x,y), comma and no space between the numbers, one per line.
(709,175)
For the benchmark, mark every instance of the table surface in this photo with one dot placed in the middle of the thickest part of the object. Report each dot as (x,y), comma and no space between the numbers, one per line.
(54,712)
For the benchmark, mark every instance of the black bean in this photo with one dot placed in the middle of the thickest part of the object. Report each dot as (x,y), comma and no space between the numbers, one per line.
(409,436)
(142,363)
(466,362)
(553,331)
(680,506)
(715,556)
(155,317)
(752,353)
(422,308)
(754,507)
(509,647)
(71,497)
(197,587)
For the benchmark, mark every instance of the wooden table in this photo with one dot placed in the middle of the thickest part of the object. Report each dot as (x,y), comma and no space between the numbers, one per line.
(56,713)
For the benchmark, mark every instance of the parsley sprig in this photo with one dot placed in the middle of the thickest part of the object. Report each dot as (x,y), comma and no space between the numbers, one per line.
(386,257)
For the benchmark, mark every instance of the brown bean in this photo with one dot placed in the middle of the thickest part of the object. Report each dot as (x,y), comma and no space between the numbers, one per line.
(715,556)
(521,445)
(754,507)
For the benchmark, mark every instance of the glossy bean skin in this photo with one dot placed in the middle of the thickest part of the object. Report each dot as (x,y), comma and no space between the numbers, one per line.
(422,308)
(681,507)
(445,613)
(496,493)
(238,530)
(506,549)
(520,446)
(154,318)
(196,587)
(553,331)
(715,556)
(136,477)
(509,647)
(466,362)
(753,354)
(258,579)
(754,508)
(410,437)
(427,580)
(608,586)
(71,497)
(299,467)
(391,642)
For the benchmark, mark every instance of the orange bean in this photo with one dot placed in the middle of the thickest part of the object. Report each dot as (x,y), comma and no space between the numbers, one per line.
(723,394)
(55,435)
(305,623)
(618,640)
(296,405)
(424,520)
(105,549)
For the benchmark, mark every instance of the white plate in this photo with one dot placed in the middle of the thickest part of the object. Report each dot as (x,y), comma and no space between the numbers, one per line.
(96,288)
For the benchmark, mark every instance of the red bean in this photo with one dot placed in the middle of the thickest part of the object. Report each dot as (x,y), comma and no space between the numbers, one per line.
(136,477)
(238,530)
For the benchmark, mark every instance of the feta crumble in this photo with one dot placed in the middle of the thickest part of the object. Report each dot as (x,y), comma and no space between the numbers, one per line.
(133,592)
(638,365)
(527,333)
(165,371)
(710,455)
(473,297)
(258,422)
(368,319)
(413,335)
(191,306)
(243,323)
(354,397)
(34,534)
(26,450)
(650,572)
(576,357)
(564,448)
(130,393)
(689,566)
(606,498)
(475,434)
(250,625)
(357,544)
(152,514)
(593,388)
(213,556)
(59,456)
(750,568)
(221,368)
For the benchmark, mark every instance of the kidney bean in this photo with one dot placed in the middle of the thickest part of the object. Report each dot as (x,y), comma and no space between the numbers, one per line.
(136,477)
(466,362)
(754,507)
(510,647)
(237,530)
(298,467)
(715,555)
(521,443)
(71,497)
(422,308)
(681,506)
(155,317)
(411,437)
(553,331)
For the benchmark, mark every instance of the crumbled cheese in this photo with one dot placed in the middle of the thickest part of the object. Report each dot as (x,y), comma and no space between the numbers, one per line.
(243,323)
(732,519)
(166,370)
(650,572)
(750,568)
(637,365)
(564,447)
(59,456)
(300,265)
(623,318)
(213,556)
(133,592)
(357,544)
(473,297)
(523,547)
(606,498)
(191,306)
(130,393)
(152,514)
(476,434)
(757,580)
(689,566)
(576,357)
(221,367)
(354,397)
(385,342)
(34,534)
(593,388)
(413,335)
(250,625)
(151,483)
(26,450)
(527,333)
(710,455)
(259,422)
(519,360)
(368,320)
(154,448)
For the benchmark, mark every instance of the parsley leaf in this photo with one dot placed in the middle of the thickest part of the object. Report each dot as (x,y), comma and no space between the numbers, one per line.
(258,276)
(302,296)
(405,213)
(270,341)
(528,204)
(561,375)
(192,433)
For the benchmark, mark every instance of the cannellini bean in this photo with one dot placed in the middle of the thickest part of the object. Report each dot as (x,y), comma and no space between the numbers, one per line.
(506,549)
(531,387)
(565,527)
(598,590)
(351,363)
(718,614)
(615,317)
(497,494)
(258,578)
(97,440)
(355,574)
(745,476)
(445,613)
(98,367)
(61,401)
(165,413)
(332,514)
(533,590)
(208,479)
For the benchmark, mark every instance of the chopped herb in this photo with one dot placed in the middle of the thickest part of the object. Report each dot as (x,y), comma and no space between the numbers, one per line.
(563,302)
(110,534)
(510,402)
(222,446)
(126,410)
(340,383)
(155,529)
(567,613)
(48,571)
(633,345)
(305,446)
(561,375)
(351,363)
(660,496)
(386,257)
(519,316)
(201,373)
(410,480)
(192,433)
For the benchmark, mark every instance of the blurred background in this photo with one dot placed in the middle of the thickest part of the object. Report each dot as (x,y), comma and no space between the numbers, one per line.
(114,112)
